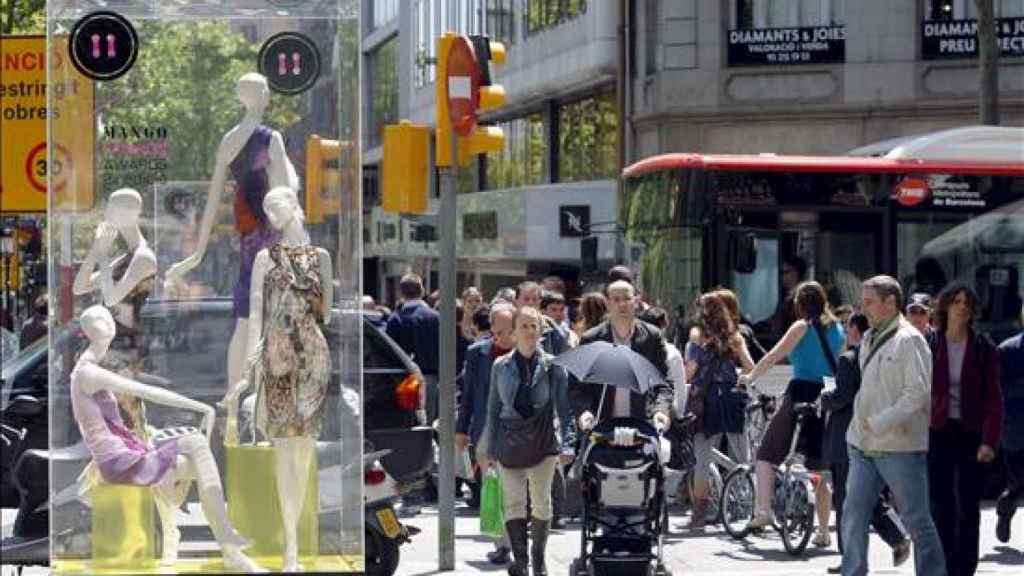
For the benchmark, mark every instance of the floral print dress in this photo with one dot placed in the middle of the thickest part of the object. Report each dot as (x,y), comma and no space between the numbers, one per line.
(295,363)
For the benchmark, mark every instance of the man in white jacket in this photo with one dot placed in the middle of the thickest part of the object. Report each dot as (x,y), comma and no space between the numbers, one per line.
(888,437)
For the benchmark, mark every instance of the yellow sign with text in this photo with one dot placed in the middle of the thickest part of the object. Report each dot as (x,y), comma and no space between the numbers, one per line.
(23,156)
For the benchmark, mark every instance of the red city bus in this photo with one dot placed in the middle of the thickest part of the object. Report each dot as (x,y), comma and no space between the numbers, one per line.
(694,221)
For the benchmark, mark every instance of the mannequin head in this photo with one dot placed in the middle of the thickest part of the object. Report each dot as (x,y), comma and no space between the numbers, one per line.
(281,205)
(98,325)
(123,208)
(253,91)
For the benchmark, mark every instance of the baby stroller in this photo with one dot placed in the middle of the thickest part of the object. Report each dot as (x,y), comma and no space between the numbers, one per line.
(623,503)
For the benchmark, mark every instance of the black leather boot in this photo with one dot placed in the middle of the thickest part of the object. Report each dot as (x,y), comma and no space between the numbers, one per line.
(539,543)
(516,530)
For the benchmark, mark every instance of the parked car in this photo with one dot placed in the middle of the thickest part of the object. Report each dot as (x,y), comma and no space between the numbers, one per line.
(187,347)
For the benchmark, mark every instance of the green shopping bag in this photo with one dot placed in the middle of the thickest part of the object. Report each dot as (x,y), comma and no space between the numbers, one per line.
(492,505)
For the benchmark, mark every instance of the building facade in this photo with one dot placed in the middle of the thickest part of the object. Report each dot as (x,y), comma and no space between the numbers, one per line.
(522,212)
(809,76)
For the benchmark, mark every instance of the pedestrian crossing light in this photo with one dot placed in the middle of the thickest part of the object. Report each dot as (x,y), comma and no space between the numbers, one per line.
(323,178)
(459,84)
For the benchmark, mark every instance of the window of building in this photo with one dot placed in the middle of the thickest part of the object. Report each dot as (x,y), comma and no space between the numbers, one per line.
(966,9)
(651,37)
(495,18)
(382,12)
(789,13)
(383,84)
(522,161)
(544,14)
(588,135)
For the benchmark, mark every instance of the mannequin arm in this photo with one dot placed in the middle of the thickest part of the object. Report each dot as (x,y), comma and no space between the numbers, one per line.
(326,282)
(280,171)
(142,266)
(93,378)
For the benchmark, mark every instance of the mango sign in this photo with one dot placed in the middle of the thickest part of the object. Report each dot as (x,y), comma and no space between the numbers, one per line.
(24,165)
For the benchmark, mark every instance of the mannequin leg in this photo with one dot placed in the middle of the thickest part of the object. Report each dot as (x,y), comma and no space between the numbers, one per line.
(211,496)
(236,351)
(292,457)
(170,495)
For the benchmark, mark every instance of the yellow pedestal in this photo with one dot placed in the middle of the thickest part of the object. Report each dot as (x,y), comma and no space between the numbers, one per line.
(123,529)
(254,507)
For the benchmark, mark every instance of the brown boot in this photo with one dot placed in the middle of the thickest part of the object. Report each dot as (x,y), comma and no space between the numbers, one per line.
(516,530)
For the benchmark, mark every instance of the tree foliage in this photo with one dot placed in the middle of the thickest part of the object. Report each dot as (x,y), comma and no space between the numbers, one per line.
(22,16)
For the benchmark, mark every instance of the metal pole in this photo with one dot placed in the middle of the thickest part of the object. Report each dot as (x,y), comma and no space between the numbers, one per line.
(446,278)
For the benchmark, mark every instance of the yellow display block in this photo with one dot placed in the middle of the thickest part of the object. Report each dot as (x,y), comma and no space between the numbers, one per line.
(211,565)
(253,505)
(123,525)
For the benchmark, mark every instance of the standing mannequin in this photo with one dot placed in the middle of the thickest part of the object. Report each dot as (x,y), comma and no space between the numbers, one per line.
(124,283)
(291,298)
(122,458)
(255,155)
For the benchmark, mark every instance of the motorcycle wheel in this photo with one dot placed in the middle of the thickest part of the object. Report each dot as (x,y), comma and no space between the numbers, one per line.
(381,554)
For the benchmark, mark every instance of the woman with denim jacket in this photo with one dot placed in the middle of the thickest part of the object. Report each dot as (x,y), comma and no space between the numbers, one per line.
(965,424)
(526,389)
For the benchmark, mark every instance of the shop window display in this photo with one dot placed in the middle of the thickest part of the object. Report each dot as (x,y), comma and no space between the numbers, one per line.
(203,116)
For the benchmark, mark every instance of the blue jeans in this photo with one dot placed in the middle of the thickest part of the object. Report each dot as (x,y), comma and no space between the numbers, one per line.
(906,474)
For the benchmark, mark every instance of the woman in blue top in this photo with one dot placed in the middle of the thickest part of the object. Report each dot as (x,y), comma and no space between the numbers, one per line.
(802,344)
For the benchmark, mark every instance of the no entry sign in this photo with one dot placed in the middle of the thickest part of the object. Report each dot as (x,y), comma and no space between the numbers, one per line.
(463,86)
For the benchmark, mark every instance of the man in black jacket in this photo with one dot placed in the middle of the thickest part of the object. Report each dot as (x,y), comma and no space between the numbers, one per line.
(622,327)
(839,404)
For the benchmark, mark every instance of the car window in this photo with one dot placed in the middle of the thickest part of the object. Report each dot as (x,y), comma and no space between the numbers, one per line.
(377,353)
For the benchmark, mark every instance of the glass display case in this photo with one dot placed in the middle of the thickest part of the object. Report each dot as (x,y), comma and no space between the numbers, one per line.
(205,266)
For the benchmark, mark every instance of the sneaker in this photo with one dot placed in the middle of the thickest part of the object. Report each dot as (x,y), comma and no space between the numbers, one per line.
(760,520)
(822,539)
(901,552)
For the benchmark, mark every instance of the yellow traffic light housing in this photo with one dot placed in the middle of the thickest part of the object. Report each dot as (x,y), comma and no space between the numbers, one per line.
(406,168)
(323,178)
(442,133)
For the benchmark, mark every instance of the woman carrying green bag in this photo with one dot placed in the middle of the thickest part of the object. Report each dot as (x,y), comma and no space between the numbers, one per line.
(526,392)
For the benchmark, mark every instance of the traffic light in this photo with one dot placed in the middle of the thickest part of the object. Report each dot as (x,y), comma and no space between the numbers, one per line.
(406,168)
(492,96)
(323,178)
(489,96)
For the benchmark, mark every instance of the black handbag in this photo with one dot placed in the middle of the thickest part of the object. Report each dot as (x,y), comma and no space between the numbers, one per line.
(523,443)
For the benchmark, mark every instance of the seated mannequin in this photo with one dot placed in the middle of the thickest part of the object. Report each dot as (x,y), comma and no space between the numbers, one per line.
(291,298)
(121,457)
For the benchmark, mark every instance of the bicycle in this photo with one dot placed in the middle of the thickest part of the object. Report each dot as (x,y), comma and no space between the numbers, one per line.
(793,506)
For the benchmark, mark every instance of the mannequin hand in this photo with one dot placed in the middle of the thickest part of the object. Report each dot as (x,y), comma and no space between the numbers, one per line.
(104,239)
(586,421)
(230,400)
(662,421)
(986,454)
(176,271)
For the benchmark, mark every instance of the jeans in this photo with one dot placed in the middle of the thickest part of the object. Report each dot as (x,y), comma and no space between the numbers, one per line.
(955,482)
(881,519)
(702,445)
(906,474)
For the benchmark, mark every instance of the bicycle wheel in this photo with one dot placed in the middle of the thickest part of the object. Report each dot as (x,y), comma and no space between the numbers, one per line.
(798,523)
(737,504)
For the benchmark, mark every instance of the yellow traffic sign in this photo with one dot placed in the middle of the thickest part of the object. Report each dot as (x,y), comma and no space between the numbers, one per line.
(23,117)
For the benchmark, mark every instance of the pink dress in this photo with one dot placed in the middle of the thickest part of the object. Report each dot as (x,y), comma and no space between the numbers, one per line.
(120,456)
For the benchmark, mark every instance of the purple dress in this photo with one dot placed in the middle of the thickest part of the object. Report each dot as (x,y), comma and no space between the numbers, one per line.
(120,456)
(249,170)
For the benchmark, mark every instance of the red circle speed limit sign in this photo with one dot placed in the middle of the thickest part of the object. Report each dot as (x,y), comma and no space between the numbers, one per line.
(38,168)
(463,86)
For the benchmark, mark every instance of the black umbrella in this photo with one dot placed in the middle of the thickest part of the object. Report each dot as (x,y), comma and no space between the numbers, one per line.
(612,364)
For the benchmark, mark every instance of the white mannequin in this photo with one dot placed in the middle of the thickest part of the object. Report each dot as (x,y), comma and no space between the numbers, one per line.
(292,454)
(121,216)
(194,459)
(254,95)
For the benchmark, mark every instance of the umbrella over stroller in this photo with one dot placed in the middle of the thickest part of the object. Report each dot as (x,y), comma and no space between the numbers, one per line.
(612,364)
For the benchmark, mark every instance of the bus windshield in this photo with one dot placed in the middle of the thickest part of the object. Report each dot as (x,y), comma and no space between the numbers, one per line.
(762,230)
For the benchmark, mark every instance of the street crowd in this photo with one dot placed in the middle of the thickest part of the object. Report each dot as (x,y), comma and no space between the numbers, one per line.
(915,404)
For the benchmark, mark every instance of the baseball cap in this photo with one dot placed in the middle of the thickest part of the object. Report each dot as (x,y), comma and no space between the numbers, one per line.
(920,300)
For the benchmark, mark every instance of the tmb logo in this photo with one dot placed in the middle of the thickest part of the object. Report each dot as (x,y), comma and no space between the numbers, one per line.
(574,221)
(912,191)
